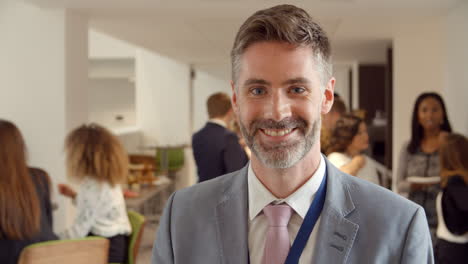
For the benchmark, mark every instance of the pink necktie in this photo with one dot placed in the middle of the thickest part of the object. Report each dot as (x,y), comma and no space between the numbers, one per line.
(277,239)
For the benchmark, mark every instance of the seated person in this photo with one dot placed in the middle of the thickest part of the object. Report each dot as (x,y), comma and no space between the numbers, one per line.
(349,139)
(25,207)
(451,202)
(98,161)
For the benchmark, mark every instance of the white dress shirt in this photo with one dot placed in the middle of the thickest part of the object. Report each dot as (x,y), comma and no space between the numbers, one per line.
(218,121)
(300,201)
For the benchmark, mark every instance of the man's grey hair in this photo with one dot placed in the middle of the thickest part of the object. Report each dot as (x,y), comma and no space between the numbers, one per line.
(283,23)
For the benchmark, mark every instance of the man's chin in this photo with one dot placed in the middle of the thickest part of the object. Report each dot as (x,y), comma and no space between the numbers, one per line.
(276,163)
(278,157)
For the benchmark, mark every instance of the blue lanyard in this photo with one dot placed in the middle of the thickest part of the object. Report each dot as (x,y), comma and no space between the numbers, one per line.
(307,226)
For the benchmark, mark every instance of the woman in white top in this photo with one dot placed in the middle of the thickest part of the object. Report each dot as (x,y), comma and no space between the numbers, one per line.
(348,140)
(98,161)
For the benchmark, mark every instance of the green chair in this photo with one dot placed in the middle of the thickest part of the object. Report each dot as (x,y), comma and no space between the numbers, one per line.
(89,250)
(138,224)
(175,158)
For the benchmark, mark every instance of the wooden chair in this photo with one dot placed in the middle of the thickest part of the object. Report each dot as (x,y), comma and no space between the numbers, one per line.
(89,250)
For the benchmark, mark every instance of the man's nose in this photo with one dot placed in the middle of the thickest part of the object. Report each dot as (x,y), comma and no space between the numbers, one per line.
(278,107)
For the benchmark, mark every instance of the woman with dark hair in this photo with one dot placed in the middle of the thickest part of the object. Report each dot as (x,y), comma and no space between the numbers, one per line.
(97,160)
(348,140)
(420,157)
(25,207)
(451,205)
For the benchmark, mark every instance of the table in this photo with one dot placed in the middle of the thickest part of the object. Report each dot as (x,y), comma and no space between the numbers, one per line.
(151,200)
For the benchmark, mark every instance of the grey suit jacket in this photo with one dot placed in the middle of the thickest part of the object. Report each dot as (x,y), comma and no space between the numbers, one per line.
(360,223)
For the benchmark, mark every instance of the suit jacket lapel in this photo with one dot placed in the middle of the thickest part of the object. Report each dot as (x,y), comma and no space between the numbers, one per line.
(336,233)
(335,236)
(232,219)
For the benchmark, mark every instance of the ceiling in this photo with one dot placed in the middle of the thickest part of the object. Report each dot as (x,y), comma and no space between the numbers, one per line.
(201,32)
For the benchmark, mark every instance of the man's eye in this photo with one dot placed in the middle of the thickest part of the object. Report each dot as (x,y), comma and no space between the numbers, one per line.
(298,90)
(257,91)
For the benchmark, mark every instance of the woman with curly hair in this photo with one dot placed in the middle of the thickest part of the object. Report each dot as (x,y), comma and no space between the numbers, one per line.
(348,140)
(97,160)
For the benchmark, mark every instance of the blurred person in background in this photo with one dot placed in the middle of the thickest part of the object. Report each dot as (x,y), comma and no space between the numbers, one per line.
(348,140)
(25,207)
(97,160)
(451,203)
(235,127)
(420,156)
(216,149)
(328,122)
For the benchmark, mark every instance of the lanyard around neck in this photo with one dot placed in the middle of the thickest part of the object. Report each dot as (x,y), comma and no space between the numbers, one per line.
(307,226)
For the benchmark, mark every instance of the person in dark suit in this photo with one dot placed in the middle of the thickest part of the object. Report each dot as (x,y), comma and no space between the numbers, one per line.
(216,149)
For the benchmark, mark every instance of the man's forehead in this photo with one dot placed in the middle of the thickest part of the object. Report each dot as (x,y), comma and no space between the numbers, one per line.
(260,81)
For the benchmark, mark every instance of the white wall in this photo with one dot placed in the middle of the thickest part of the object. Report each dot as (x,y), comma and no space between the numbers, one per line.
(109,98)
(112,68)
(341,74)
(162,99)
(419,66)
(105,46)
(204,86)
(456,89)
(36,69)
(111,88)
(76,69)
(365,52)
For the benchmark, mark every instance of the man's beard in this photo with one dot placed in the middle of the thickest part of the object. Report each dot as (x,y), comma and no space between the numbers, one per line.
(284,154)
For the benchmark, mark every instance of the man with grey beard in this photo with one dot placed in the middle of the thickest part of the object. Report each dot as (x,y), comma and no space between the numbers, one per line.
(289,204)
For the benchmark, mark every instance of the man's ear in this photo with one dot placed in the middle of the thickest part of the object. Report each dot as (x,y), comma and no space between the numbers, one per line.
(328,96)
(234,98)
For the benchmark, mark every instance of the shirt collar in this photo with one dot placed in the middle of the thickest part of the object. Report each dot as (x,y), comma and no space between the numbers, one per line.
(218,121)
(300,200)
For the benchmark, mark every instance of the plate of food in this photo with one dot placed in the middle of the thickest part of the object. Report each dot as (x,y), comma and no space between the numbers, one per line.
(424,180)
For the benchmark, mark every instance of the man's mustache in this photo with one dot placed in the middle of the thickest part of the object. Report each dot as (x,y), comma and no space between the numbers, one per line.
(286,123)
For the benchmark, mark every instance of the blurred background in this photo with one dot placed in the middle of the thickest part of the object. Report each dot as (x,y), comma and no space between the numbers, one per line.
(144,68)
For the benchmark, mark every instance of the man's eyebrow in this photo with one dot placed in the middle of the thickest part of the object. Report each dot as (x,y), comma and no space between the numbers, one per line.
(296,81)
(255,81)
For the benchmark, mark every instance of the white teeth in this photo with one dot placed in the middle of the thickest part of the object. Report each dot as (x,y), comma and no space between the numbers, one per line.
(277,133)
